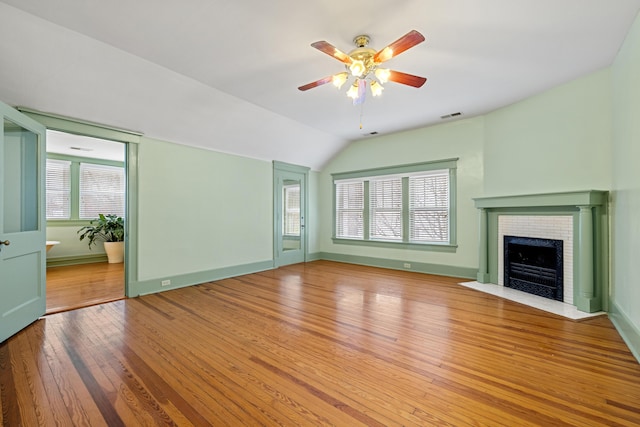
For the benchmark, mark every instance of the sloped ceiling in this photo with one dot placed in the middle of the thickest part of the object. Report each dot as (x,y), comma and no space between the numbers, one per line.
(224,75)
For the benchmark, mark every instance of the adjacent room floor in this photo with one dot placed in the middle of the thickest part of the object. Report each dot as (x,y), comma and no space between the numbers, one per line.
(77,286)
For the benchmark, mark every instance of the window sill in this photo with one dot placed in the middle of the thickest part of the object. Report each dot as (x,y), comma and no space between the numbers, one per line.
(433,247)
(67,222)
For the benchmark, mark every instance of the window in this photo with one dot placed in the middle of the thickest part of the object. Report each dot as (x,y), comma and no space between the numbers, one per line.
(101,190)
(429,207)
(58,186)
(385,197)
(81,188)
(408,205)
(291,210)
(349,209)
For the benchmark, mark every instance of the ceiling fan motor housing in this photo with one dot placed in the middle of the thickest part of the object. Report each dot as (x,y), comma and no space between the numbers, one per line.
(361,40)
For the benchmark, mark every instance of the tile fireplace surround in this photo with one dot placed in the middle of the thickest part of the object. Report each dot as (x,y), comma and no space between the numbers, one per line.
(578,218)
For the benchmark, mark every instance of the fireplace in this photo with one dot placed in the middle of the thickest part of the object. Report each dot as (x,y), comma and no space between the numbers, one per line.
(534,265)
(585,251)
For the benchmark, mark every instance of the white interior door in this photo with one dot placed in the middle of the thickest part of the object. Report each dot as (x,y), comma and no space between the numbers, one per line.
(22,221)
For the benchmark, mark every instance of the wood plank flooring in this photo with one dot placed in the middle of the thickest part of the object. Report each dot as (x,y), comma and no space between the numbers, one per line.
(75,286)
(321,343)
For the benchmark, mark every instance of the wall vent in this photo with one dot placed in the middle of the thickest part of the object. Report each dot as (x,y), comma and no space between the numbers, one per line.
(449,116)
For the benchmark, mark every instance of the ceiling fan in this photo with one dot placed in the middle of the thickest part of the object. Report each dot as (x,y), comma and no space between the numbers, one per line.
(363,64)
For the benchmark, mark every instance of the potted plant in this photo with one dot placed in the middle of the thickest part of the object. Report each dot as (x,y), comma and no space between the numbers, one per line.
(110,230)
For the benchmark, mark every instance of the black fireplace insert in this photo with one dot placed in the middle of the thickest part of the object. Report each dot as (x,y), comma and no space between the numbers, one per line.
(534,265)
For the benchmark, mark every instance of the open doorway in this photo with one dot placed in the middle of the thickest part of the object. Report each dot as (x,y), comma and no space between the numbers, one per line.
(85,177)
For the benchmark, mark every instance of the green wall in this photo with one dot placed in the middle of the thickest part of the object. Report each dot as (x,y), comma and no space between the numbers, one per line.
(462,139)
(70,244)
(313,214)
(625,194)
(557,141)
(199,212)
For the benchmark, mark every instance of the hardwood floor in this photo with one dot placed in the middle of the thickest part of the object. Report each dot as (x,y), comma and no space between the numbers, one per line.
(321,343)
(77,286)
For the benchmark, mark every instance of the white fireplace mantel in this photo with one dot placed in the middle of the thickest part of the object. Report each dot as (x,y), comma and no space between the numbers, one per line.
(589,211)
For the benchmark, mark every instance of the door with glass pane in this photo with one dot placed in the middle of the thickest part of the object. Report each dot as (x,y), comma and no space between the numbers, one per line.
(22,223)
(289,213)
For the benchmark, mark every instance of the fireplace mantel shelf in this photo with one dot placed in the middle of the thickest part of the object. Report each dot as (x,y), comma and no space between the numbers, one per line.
(572,198)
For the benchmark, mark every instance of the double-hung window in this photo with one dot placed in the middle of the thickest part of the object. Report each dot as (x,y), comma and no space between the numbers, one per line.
(58,186)
(349,220)
(385,208)
(102,190)
(429,207)
(81,188)
(407,206)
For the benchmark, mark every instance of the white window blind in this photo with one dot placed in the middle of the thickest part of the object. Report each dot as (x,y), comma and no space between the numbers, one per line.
(385,197)
(58,188)
(102,190)
(349,209)
(429,207)
(291,218)
(411,206)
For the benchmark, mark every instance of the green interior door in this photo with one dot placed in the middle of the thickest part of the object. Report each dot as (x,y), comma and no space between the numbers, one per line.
(22,222)
(290,184)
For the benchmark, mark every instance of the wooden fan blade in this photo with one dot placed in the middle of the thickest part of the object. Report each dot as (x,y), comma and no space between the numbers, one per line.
(406,79)
(405,42)
(331,50)
(316,83)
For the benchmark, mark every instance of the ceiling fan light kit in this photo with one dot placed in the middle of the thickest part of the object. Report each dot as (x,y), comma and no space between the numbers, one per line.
(339,79)
(363,66)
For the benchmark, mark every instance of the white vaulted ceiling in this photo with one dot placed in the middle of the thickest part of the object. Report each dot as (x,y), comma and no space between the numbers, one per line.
(223,75)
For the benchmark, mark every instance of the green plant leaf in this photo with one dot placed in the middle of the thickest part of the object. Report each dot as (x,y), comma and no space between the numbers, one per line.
(106,228)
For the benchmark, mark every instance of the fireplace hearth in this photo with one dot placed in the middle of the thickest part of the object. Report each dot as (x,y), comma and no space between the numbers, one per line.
(534,265)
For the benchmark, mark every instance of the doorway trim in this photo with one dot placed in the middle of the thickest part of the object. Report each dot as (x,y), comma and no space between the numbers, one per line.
(280,171)
(131,140)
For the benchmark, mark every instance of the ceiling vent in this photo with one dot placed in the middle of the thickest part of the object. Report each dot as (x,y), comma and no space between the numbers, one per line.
(450,116)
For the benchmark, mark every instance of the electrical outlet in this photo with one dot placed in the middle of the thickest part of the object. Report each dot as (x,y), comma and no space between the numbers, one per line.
(166,282)
(407,265)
